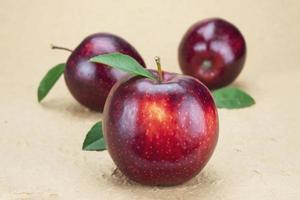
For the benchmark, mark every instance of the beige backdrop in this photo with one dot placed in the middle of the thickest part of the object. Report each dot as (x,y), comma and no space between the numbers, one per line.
(258,154)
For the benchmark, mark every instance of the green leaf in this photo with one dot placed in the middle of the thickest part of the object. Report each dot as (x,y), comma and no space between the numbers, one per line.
(231,98)
(123,62)
(94,140)
(49,80)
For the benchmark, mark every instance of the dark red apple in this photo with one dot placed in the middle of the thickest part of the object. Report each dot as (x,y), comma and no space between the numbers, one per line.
(213,51)
(88,82)
(160,133)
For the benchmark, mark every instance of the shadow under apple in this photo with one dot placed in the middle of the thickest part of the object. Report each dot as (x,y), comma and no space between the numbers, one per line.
(72,108)
(240,84)
(204,181)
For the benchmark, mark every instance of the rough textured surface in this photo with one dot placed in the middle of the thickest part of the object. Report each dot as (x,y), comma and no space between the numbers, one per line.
(258,153)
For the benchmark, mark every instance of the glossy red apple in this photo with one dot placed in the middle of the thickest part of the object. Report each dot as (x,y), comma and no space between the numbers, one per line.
(213,51)
(88,82)
(160,133)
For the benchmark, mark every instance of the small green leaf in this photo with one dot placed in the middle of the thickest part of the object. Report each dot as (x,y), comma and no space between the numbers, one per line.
(123,62)
(49,80)
(94,140)
(232,98)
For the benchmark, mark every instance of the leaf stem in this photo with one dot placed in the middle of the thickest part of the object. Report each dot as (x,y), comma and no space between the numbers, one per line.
(160,72)
(61,48)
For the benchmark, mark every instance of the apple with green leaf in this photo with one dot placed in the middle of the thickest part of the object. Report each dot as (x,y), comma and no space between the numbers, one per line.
(89,83)
(160,128)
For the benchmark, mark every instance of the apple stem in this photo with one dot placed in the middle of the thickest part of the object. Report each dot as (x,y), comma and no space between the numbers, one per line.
(61,48)
(160,72)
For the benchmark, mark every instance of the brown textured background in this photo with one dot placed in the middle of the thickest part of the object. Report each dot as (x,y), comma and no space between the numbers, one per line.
(258,154)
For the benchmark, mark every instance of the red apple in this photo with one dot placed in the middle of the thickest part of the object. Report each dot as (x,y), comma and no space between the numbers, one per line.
(213,51)
(160,132)
(88,82)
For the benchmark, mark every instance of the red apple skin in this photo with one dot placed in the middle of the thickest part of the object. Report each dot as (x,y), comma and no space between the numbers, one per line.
(90,83)
(160,133)
(212,42)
